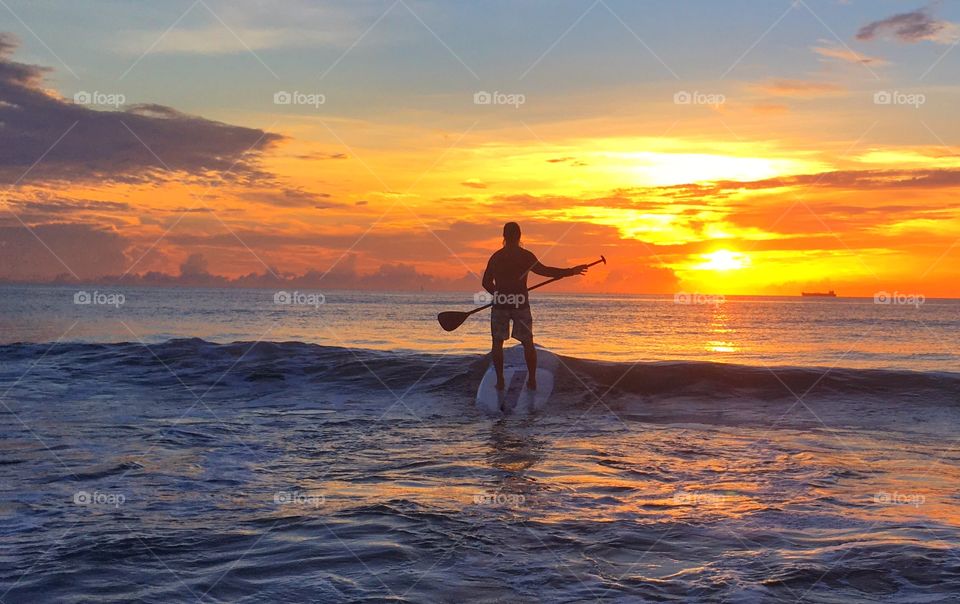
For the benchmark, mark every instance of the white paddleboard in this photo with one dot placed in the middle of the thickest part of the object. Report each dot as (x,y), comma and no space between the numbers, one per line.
(516,398)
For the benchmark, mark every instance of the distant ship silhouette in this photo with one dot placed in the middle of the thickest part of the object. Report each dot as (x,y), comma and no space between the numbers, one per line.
(829,294)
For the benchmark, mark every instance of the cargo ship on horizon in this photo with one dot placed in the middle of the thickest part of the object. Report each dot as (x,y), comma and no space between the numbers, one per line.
(829,294)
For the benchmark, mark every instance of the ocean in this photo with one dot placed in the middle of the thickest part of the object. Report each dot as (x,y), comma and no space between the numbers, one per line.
(258,446)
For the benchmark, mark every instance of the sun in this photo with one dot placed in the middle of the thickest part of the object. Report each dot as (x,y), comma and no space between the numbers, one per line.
(723,260)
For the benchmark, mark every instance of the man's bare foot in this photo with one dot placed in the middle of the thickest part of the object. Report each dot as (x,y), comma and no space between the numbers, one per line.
(500,384)
(531,384)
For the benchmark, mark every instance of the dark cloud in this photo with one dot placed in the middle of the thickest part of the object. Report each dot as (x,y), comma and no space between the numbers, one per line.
(840,179)
(644,198)
(68,206)
(864,179)
(319,156)
(104,145)
(810,220)
(573,161)
(194,265)
(194,210)
(914,26)
(290,198)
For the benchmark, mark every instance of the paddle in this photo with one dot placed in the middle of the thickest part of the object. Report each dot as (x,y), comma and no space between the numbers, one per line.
(453,319)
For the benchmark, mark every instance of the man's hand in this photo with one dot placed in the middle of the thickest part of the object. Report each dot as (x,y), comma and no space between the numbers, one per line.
(580,269)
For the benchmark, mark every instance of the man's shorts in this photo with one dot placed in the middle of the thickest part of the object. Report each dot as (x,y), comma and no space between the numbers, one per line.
(522,323)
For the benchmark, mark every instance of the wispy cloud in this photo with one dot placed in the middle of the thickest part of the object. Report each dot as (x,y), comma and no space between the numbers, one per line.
(807,88)
(848,55)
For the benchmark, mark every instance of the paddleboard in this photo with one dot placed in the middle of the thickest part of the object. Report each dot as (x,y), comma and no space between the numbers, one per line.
(516,398)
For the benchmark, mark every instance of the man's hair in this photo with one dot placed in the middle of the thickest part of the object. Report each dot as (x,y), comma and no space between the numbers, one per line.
(511,232)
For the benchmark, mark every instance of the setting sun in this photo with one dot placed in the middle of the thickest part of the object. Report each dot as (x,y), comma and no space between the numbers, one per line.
(723,260)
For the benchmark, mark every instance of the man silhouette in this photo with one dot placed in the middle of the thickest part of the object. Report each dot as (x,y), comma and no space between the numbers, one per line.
(506,280)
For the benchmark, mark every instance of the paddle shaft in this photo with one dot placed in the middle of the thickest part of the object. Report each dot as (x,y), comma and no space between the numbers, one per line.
(530,289)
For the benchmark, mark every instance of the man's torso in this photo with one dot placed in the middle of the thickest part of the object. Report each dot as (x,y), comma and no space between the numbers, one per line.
(510,267)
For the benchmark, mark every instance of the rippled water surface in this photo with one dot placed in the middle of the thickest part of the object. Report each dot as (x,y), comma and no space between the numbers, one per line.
(177,470)
(804,332)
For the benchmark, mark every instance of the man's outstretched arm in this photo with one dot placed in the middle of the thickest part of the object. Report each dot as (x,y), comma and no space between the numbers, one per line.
(554,272)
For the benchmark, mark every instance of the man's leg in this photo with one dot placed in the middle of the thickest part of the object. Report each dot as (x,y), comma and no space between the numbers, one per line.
(530,354)
(523,331)
(499,331)
(497,353)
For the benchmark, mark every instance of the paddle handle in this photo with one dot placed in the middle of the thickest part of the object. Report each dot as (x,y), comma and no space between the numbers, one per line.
(542,283)
(478,309)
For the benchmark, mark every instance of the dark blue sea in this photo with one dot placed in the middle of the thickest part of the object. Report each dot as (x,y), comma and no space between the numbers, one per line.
(166,445)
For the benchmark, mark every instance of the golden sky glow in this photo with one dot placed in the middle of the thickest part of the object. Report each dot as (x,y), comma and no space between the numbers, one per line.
(721,168)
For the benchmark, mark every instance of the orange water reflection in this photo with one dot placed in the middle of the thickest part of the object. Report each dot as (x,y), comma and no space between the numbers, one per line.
(720,328)
(649,473)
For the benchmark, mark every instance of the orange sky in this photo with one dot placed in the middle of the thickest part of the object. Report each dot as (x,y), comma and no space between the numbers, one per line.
(785,172)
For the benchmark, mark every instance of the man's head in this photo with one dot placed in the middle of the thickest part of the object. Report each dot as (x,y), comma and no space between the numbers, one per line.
(511,233)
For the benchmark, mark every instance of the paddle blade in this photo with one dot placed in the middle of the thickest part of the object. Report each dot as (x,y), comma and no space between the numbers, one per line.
(452,319)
